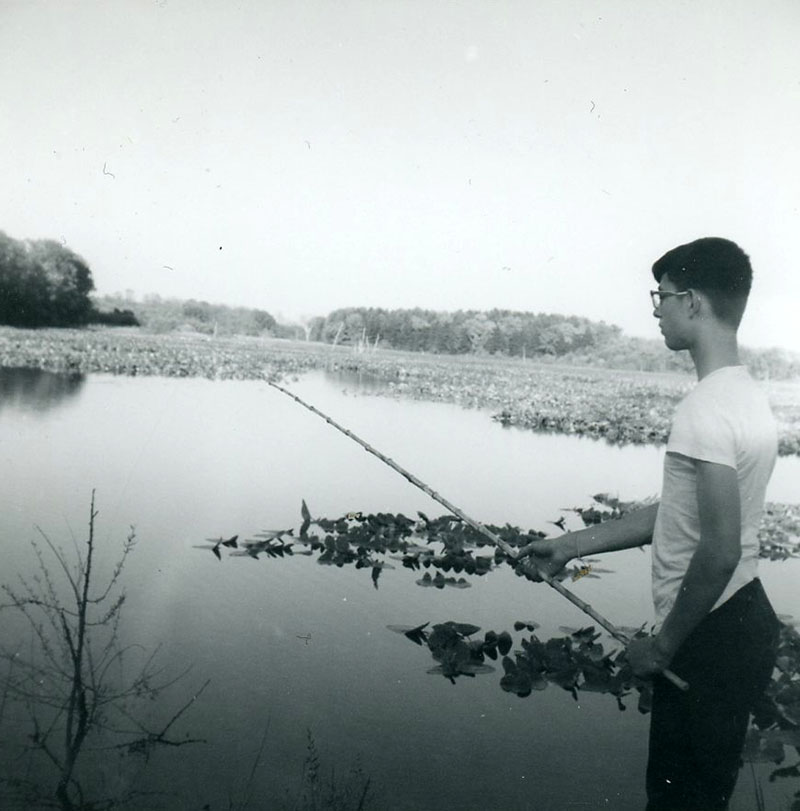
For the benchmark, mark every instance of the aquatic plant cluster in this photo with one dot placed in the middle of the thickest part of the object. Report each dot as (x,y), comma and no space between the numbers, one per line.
(130,352)
(615,406)
(778,534)
(576,662)
(619,407)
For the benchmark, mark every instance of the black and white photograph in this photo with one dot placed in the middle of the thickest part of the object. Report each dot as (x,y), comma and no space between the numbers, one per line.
(400,405)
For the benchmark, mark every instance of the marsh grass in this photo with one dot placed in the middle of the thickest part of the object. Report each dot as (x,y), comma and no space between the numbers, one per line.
(322,789)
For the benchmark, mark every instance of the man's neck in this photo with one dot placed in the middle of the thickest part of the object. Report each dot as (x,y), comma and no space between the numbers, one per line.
(714,352)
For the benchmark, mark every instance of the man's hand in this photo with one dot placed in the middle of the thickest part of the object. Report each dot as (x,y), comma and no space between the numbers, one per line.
(645,657)
(549,556)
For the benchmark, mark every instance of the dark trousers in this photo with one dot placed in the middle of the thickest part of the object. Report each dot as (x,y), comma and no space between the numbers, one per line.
(696,737)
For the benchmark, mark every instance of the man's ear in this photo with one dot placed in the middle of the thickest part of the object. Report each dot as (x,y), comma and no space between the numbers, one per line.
(696,303)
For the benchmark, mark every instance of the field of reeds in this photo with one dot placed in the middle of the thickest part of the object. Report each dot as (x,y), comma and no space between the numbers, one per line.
(620,407)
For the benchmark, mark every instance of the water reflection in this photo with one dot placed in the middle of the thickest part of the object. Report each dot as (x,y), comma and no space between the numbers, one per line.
(290,644)
(37,390)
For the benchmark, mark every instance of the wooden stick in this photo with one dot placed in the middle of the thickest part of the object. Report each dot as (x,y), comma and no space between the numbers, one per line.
(493,537)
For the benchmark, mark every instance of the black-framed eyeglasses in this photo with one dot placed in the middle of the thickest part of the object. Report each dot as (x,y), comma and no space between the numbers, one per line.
(657,296)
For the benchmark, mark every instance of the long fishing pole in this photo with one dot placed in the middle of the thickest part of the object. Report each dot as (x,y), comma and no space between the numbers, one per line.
(493,537)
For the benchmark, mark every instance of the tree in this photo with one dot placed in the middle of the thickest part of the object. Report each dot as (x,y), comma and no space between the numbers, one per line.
(68,281)
(43,283)
(69,680)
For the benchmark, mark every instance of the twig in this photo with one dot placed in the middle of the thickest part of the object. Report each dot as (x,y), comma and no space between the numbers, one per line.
(494,538)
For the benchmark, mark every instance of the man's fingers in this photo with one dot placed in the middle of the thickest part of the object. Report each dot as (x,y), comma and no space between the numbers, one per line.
(537,548)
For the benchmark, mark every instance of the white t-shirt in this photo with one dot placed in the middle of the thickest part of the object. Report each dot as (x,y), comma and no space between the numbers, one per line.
(725,419)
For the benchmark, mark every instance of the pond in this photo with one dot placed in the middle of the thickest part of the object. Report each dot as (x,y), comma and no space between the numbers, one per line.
(293,648)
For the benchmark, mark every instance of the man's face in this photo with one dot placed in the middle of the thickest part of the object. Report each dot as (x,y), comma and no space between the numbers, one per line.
(673,314)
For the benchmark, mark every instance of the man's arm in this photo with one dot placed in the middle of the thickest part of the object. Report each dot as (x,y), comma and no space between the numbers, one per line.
(633,529)
(710,569)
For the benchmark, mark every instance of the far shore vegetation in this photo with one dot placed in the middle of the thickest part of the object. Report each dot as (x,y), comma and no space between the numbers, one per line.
(546,372)
(618,406)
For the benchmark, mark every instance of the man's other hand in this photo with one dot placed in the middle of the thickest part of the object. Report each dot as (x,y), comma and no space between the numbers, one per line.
(645,658)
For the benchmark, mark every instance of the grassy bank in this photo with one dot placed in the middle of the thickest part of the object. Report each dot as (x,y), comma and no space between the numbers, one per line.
(621,407)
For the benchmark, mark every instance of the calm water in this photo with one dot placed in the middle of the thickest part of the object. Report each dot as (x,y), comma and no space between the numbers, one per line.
(292,646)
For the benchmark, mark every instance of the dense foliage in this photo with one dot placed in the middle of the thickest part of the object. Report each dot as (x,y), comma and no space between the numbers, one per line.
(570,339)
(503,332)
(576,662)
(159,315)
(43,283)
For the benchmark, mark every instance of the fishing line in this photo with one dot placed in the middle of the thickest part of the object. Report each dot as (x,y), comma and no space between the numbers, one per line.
(493,537)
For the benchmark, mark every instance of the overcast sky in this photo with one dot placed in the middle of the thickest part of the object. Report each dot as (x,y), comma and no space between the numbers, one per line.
(302,156)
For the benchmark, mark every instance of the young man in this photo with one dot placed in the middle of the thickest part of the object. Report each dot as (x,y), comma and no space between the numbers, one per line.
(714,626)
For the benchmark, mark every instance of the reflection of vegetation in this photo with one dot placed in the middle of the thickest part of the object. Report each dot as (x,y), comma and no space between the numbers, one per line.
(69,684)
(573,662)
(579,663)
(317,789)
(620,407)
(36,389)
(576,662)
(320,789)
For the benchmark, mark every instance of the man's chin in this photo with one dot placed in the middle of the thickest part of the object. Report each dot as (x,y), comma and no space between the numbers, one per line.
(673,344)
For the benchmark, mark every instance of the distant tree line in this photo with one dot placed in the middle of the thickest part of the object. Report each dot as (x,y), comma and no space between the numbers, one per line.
(158,314)
(566,339)
(46,284)
(503,332)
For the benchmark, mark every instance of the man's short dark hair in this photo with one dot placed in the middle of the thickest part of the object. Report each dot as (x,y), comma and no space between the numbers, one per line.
(714,266)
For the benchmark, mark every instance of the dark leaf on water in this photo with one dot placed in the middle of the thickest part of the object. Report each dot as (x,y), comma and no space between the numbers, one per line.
(530,625)
(451,672)
(404,629)
(376,573)
(473,668)
(415,633)
(464,628)
(504,642)
(786,771)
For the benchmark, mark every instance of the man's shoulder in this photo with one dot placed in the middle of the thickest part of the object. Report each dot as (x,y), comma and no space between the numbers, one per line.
(723,415)
(725,390)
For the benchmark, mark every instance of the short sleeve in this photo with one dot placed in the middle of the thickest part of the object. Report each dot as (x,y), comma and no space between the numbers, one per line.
(701,430)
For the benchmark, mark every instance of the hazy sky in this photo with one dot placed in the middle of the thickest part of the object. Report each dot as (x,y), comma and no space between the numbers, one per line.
(301,156)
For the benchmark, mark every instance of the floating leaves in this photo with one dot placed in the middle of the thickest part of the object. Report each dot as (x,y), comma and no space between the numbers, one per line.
(529,625)
(779,534)
(415,633)
(573,662)
(306,516)
(439,581)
